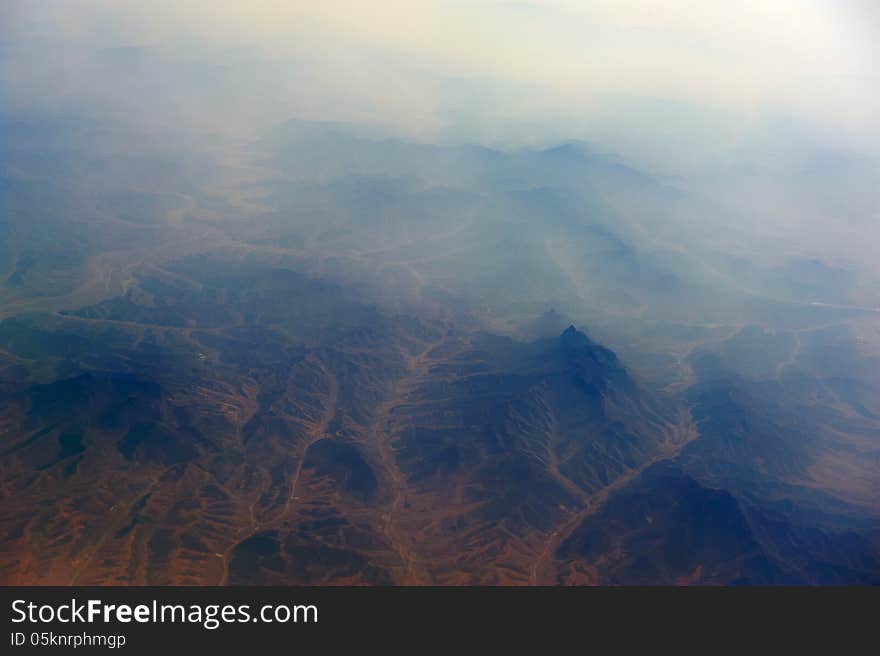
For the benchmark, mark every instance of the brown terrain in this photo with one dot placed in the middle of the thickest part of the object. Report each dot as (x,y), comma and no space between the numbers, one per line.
(292,367)
(198,431)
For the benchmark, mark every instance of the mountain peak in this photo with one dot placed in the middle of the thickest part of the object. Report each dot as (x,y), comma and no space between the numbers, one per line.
(580,349)
(573,337)
(570,149)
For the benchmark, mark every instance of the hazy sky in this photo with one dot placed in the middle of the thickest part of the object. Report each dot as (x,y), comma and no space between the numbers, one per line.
(680,81)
